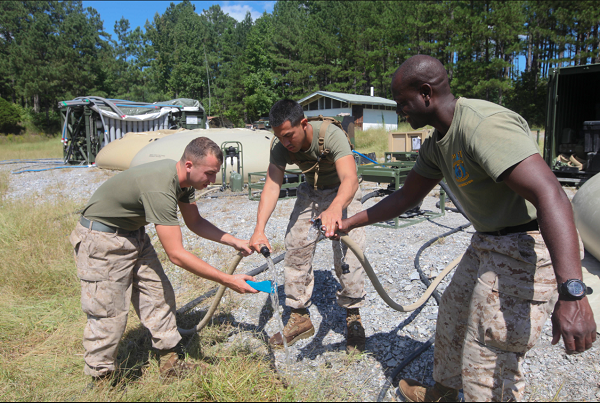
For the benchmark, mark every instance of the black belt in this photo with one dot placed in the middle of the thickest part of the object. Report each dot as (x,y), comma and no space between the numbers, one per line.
(328,186)
(530,226)
(98,226)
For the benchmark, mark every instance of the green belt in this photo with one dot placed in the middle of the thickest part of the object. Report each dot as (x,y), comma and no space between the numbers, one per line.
(98,226)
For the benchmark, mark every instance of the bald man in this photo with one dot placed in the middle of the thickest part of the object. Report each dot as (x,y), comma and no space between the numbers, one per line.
(526,247)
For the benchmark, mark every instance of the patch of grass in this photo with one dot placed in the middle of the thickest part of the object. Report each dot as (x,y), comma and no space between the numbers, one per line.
(29,147)
(4,181)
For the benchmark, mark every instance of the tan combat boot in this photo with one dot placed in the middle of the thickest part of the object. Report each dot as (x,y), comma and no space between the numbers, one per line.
(171,366)
(298,327)
(355,337)
(413,391)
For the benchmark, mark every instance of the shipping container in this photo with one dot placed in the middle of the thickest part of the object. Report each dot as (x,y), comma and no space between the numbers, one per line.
(572,122)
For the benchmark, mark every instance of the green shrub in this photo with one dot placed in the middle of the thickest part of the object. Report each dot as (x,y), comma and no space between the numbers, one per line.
(9,117)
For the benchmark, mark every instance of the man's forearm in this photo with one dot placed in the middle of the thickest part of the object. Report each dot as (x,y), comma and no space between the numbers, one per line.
(408,196)
(390,207)
(345,194)
(555,217)
(197,266)
(208,230)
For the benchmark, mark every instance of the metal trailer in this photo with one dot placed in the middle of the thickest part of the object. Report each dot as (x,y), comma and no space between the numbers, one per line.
(573,100)
(89,123)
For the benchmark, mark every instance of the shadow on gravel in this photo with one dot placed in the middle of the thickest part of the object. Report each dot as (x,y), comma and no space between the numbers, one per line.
(385,347)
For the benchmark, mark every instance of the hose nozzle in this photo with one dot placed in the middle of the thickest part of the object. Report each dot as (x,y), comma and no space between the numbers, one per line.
(265,251)
(316,224)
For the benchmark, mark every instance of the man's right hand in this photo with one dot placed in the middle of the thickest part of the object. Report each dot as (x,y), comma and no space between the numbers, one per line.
(237,282)
(574,321)
(258,239)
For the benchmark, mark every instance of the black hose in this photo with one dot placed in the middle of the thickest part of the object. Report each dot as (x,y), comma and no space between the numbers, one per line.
(401,366)
(370,195)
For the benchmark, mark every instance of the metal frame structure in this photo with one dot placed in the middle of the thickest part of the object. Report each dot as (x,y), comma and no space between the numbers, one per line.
(87,128)
(259,184)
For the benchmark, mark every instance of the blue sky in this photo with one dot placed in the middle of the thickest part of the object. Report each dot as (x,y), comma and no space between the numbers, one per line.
(137,12)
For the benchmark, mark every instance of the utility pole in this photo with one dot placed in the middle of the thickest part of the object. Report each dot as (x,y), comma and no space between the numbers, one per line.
(207,77)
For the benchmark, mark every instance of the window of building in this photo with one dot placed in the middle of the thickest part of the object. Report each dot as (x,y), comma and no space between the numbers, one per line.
(313,106)
(335,104)
(368,106)
(321,106)
(305,107)
(327,103)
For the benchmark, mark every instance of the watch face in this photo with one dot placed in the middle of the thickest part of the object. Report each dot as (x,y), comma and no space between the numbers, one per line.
(576,288)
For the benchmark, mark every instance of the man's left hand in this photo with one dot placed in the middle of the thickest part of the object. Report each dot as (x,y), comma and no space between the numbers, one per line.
(242,246)
(574,320)
(331,220)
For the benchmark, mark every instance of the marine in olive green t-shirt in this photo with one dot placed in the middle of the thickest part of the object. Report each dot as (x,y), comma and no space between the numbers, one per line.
(335,140)
(144,194)
(483,141)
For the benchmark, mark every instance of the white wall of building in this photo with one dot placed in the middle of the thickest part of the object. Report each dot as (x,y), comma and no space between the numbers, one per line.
(328,112)
(374,118)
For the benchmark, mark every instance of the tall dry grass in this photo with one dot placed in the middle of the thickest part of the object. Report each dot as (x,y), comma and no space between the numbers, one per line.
(41,356)
(29,147)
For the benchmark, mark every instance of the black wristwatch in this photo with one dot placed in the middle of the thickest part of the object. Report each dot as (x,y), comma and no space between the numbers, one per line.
(573,290)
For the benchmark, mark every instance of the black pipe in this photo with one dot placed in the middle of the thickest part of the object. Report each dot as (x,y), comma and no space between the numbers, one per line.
(451,196)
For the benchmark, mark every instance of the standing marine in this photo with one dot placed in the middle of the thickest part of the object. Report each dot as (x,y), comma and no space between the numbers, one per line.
(117,263)
(524,261)
(323,152)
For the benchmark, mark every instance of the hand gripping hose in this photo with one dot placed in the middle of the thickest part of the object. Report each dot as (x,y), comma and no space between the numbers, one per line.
(380,290)
(232,266)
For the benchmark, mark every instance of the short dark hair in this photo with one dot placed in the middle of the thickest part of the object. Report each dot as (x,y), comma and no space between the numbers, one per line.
(199,148)
(283,110)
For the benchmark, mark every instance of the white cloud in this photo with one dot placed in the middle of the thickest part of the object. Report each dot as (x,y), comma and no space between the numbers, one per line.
(238,11)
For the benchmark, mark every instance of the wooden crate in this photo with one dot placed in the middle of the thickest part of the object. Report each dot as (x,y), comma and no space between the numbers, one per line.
(407,141)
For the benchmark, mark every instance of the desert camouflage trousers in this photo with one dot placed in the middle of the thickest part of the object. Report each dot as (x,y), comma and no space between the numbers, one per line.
(492,313)
(299,276)
(114,270)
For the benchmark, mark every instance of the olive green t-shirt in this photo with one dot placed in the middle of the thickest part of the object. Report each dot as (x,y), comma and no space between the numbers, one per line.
(335,141)
(483,141)
(147,193)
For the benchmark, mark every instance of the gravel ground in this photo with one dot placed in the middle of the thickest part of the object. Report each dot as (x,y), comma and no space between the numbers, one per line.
(321,362)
